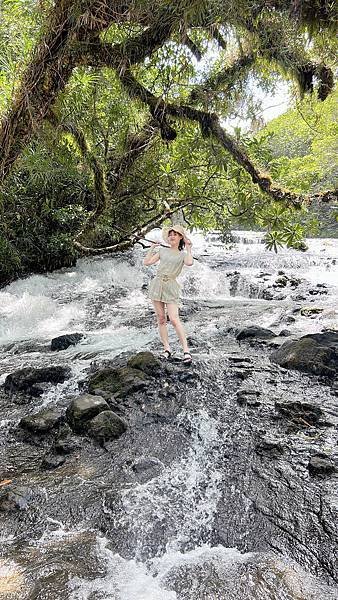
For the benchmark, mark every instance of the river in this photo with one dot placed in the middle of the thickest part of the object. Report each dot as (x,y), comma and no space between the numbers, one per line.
(183,506)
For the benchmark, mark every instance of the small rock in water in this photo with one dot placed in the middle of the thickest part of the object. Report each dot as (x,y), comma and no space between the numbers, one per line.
(314,353)
(106,426)
(25,380)
(310,311)
(41,422)
(146,362)
(83,408)
(254,331)
(321,465)
(121,381)
(270,447)
(64,341)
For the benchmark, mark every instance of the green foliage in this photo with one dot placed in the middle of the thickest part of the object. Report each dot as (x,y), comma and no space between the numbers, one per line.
(46,201)
(10,263)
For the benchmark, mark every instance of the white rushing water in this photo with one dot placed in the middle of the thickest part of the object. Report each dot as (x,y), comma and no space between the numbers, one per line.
(86,298)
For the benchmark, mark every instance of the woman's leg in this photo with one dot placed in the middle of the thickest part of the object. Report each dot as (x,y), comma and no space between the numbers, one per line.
(175,321)
(162,323)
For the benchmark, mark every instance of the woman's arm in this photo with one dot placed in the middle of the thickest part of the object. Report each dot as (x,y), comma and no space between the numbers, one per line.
(188,259)
(150,258)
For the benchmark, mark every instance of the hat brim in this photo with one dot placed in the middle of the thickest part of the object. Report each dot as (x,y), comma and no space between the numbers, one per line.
(165,232)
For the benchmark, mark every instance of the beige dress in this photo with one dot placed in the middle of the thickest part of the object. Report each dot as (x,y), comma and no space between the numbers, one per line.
(164,286)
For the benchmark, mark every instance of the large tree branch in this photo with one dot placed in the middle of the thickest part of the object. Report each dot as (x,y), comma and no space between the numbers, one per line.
(59,50)
(210,126)
(130,239)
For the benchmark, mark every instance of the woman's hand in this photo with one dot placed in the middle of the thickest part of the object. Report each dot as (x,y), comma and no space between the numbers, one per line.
(188,243)
(188,259)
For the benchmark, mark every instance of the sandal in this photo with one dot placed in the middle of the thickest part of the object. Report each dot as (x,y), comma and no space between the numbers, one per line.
(187,358)
(166,355)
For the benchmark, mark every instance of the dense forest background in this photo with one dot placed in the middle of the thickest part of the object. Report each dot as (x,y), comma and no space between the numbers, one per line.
(116,116)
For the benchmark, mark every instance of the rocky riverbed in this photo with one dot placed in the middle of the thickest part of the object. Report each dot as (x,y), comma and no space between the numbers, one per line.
(123,476)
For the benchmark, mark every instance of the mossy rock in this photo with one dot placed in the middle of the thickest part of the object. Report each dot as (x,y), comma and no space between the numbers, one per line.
(43,421)
(146,362)
(120,382)
(83,408)
(106,426)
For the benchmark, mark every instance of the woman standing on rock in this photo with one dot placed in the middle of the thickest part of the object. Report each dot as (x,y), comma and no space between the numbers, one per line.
(164,290)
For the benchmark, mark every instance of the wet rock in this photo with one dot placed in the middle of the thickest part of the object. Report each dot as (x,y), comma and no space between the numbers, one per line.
(248,397)
(106,426)
(67,445)
(314,353)
(121,381)
(41,422)
(270,447)
(267,294)
(302,414)
(146,362)
(310,311)
(15,497)
(25,380)
(64,341)
(281,282)
(284,333)
(321,465)
(315,292)
(147,468)
(240,285)
(52,461)
(240,359)
(84,408)
(253,331)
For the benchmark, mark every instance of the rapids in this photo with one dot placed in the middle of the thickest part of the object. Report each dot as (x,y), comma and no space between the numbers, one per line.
(188,504)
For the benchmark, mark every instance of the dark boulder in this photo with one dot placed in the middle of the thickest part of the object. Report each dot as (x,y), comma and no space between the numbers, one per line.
(146,362)
(253,331)
(106,426)
(121,381)
(43,421)
(27,380)
(64,341)
(84,408)
(314,353)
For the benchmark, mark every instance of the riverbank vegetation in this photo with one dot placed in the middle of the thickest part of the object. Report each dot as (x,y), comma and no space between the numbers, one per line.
(115,117)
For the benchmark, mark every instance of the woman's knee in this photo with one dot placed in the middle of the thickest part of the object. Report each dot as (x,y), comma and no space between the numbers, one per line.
(161,320)
(174,320)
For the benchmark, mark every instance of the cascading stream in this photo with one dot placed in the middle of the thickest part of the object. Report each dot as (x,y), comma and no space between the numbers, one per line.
(100,531)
